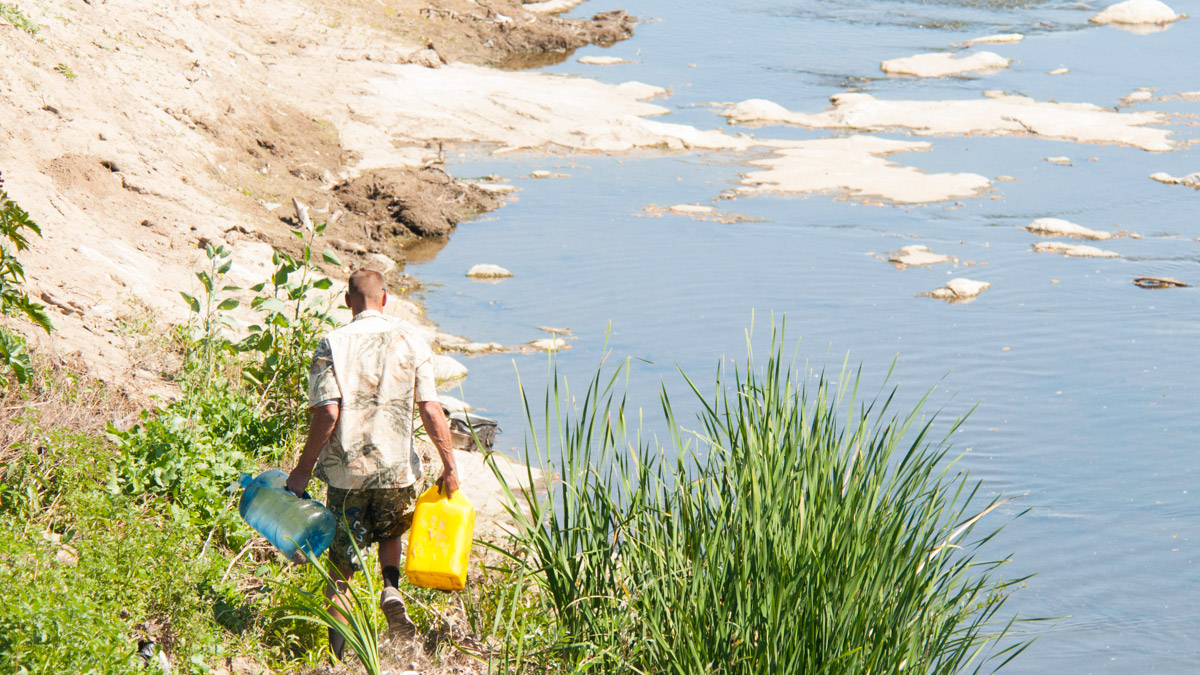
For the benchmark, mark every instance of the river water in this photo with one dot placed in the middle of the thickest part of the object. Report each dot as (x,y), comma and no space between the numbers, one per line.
(1085,384)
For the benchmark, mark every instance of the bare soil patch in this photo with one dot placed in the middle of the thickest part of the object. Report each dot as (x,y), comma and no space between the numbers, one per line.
(407,203)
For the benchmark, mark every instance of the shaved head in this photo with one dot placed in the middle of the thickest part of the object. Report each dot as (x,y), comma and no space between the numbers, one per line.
(366,289)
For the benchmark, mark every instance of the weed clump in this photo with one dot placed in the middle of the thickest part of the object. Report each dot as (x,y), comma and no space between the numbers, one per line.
(798,531)
(14,16)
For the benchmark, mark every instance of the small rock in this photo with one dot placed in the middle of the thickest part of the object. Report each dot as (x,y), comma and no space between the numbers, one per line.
(992,39)
(1138,96)
(497,188)
(104,311)
(1073,250)
(548,344)
(1159,282)
(689,209)
(916,255)
(348,246)
(602,60)
(960,289)
(1006,178)
(1191,180)
(941,64)
(381,262)
(488,271)
(447,370)
(1056,227)
(427,57)
(454,405)
(479,347)
(1059,71)
(541,173)
(1058,160)
(555,331)
(1137,12)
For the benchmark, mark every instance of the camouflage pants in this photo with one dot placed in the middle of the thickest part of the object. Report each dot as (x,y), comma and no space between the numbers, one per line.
(371,516)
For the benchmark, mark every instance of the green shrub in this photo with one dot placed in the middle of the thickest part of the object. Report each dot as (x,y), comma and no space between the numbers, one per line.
(295,315)
(192,450)
(243,402)
(88,574)
(15,223)
(782,538)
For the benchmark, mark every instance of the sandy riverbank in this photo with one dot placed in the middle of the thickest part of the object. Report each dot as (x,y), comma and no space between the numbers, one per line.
(135,135)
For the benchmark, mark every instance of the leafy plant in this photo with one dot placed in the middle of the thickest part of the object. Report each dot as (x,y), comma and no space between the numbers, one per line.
(361,626)
(88,573)
(65,70)
(781,539)
(15,223)
(194,448)
(295,312)
(13,15)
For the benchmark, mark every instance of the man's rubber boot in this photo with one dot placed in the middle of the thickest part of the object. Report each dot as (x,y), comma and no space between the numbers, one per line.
(397,614)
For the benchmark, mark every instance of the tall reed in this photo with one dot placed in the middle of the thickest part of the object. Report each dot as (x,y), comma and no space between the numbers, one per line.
(795,531)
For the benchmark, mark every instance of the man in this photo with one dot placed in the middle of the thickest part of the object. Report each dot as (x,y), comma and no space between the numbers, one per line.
(362,384)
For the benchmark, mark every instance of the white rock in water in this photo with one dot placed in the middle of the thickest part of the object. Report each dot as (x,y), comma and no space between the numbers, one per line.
(548,344)
(496,188)
(756,110)
(915,255)
(541,173)
(690,209)
(1137,11)
(961,289)
(453,404)
(1139,96)
(640,90)
(943,64)
(1057,227)
(1059,160)
(1073,250)
(447,369)
(1191,180)
(602,60)
(488,271)
(1059,71)
(1003,37)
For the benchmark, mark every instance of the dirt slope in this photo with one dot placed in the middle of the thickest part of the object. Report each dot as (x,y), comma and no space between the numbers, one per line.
(136,132)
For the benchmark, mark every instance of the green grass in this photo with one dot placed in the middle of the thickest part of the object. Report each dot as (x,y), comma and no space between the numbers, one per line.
(65,70)
(13,15)
(797,530)
(88,574)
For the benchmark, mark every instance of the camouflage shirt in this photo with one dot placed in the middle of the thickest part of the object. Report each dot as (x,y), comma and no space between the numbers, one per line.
(376,366)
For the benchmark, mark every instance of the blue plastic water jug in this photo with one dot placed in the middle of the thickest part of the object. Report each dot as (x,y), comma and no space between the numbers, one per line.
(292,524)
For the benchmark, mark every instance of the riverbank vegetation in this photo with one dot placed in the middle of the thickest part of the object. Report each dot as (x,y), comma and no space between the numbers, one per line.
(796,531)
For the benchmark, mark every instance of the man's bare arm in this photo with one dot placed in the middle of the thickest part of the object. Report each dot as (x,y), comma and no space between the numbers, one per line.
(439,432)
(320,428)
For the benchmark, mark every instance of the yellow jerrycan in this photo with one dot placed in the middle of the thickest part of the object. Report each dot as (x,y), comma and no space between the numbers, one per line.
(439,542)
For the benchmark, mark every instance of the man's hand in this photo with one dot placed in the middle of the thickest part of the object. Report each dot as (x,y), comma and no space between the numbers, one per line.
(297,481)
(448,483)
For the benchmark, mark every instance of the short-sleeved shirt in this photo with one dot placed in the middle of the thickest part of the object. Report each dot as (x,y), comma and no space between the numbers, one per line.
(375,367)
